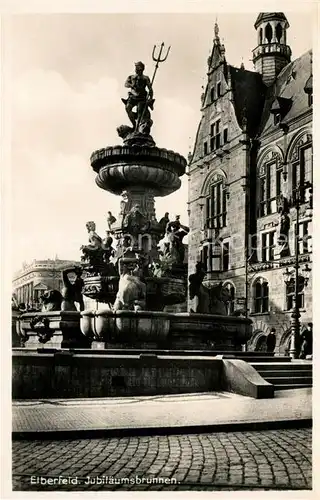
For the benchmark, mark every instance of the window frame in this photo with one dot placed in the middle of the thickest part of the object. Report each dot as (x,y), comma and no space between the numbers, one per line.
(261,301)
(267,247)
(267,200)
(216,206)
(290,295)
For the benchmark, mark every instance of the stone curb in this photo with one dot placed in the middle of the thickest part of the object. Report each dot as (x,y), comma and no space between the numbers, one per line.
(147,431)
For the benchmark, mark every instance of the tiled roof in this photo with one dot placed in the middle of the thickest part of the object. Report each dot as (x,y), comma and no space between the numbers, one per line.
(269,16)
(290,86)
(248,93)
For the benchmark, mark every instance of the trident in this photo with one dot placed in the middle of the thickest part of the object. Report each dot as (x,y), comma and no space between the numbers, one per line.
(157,61)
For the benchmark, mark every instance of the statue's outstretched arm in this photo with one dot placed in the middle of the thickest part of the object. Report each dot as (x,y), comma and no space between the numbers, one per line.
(128,82)
(65,278)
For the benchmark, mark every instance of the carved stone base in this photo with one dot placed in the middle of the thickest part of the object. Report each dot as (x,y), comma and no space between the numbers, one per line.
(52,329)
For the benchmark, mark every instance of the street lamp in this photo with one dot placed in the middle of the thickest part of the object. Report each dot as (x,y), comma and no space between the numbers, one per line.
(298,281)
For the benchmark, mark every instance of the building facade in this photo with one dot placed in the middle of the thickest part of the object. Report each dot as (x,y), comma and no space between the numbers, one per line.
(253,150)
(33,279)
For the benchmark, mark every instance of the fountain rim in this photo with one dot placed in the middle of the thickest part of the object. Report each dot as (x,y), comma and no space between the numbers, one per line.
(112,155)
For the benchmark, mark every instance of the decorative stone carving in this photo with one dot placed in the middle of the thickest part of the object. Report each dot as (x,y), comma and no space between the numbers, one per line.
(135,222)
(41,325)
(72,292)
(209,300)
(51,301)
(110,220)
(92,254)
(173,246)
(132,291)
(163,224)
(270,156)
(284,225)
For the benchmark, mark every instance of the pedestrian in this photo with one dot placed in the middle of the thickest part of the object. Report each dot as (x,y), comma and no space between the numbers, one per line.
(306,342)
(271,340)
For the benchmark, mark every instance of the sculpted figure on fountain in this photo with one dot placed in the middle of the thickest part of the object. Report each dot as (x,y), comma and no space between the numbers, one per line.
(72,292)
(137,105)
(207,300)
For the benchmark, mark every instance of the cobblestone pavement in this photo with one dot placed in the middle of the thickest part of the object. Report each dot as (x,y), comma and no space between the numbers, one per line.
(278,459)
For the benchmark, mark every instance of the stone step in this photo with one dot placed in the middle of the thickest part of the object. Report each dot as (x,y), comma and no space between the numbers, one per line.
(288,386)
(285,373)
(262,367)
(289,380)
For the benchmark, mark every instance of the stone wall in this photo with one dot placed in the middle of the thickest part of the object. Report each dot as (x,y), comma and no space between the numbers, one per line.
(38,375)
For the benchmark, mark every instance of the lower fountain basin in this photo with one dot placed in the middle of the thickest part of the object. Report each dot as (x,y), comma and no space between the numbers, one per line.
(123,329)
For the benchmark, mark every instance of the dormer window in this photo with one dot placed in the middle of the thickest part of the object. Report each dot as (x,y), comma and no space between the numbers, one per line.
(309,90)
(280,108)
(277,118)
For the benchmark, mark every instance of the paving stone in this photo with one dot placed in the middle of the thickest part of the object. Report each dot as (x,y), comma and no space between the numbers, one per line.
(207,460)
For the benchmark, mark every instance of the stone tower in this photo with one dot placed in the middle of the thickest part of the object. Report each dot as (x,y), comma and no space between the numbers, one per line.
(272,52)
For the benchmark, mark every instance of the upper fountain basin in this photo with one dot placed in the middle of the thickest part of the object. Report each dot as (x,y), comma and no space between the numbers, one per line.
(122,167)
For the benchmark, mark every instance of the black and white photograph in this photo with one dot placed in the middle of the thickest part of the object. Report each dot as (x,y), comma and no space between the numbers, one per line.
(161,206)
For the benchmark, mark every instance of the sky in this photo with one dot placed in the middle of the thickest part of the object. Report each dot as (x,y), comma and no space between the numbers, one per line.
(67,80)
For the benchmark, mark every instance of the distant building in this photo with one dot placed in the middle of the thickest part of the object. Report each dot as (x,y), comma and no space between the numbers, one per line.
(254,144)
(35,278)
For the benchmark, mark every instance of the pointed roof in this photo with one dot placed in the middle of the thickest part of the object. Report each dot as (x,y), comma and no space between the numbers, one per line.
(218,51)
(270,16)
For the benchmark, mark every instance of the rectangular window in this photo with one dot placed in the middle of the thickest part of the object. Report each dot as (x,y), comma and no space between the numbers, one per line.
(225,136)
(310,99)
(269,185)
(290,296)
(306,162)
(215,136)
(267,246)
(305,238)
(216,216)
(279,182)
(261,298)
(302,171)
(212,94)
(205,148)
(219,89)
(225,256)
(212,137)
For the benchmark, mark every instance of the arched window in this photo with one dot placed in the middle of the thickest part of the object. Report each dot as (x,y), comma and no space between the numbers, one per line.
(268,33)
(216,204)
(290,293)
(260,296)
(301,165)
(232,293)
(270,183)
(279,32)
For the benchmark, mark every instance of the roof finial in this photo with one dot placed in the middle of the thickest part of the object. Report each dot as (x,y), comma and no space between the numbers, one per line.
(216,30)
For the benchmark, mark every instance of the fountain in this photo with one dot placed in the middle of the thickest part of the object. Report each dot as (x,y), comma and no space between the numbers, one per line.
(133,274)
